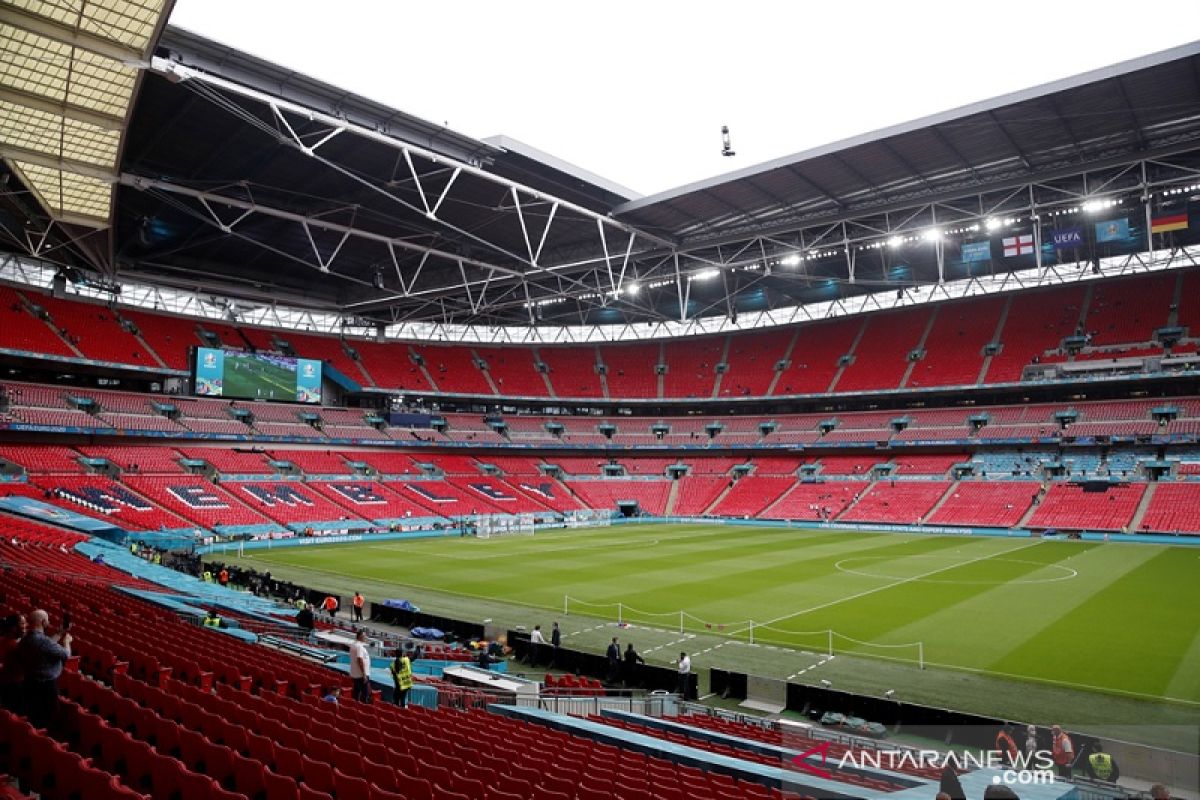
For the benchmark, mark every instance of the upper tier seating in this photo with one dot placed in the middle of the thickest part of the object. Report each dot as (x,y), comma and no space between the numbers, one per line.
(455,367)
(95,331)
(751,362)
(170,337)
(955,344)
(392,366)
(630,369)
(814,359)
(513,370)
(692,366)
(573,371)
(1129,309)
(1036,322)
(925,464)
(881,355)
(21,330)
(315,462)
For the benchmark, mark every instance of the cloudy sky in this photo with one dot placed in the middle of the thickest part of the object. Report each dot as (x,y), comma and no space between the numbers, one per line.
(637,92)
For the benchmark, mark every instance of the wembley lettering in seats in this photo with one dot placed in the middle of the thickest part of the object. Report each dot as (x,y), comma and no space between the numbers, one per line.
(276,495)
(491,492)
(545,489)
(106,501)
(427,491)
(359,493)
(197,497)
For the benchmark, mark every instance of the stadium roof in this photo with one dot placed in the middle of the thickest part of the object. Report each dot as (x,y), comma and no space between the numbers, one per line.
(250,181)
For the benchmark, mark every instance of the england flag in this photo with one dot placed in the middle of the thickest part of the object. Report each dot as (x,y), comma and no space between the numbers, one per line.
(1018,245)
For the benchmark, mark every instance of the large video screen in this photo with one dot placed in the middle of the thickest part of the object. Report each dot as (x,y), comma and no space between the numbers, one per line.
(256,376)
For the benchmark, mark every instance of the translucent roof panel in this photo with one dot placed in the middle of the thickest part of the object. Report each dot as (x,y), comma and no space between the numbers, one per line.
(77,198)
(65,56)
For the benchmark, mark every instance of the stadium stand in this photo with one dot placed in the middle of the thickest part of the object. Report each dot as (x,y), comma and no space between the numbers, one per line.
(751,495)
(391,366)
(454,369)
(991,503)
(1037,321)
(513,370)
(692,367)
(24,330)
(954,348)
(573,371)
(1174,508)
(901,502)
(244,462)
(100,497)
(43,459)
(138,459)
(198,500)
(630,369)
(815,355)
(649,495)
(751,362)
(881,354)
(815,501)
(1097,507)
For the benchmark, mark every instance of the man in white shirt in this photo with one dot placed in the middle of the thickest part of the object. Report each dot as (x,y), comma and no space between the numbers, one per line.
(685,674)
(360,668)
(536,644)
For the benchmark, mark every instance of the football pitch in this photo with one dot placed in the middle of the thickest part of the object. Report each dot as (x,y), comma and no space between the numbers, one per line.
(1114,623)
(256,379)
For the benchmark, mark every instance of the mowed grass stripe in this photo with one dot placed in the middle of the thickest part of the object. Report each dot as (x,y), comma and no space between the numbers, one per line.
(967,601)
(1133,633)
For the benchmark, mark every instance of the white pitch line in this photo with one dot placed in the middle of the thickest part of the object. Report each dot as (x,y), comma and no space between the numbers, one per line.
(891,585)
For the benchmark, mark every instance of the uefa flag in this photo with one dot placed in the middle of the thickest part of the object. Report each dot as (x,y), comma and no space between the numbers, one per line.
(976,251)
(1114,230)
(1174,222)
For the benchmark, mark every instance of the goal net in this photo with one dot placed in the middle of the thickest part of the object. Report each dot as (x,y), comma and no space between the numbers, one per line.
(504,525)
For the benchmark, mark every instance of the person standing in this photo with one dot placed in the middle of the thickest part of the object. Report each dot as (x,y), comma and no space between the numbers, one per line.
(330,606)
(632,659)
(614,660)
(402,678)
(555,643)
(1031,743)
(359,602)
(42,658)
(1006,745)
(537,643)
(1102,766)
(360,668)
(305,621)
(683,684)
(1062,750)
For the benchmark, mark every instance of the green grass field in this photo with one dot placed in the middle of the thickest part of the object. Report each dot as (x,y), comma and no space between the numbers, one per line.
(1025,622)
(258,379)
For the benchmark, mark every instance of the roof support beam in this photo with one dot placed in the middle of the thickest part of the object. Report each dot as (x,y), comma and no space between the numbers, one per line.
(99,119)
(35,23)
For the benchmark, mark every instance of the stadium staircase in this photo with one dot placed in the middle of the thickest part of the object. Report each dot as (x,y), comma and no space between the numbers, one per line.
(987,360)
(487,373)
(941,501)
(1147,498)
(716,392)
(787,359)
(912,364)
(720,498)
(672,497)
(837,376)
(424,370)
(866,490)
(1033,507)
(537,358)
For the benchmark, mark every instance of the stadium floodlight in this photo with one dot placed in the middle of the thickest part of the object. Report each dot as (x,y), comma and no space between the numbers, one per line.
(632,288)
(706,274)
(895,241)
(790,260)
(932,234)
(1095,206)
(992,223)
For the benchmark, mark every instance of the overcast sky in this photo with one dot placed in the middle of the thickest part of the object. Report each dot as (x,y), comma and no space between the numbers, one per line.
(637,92)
